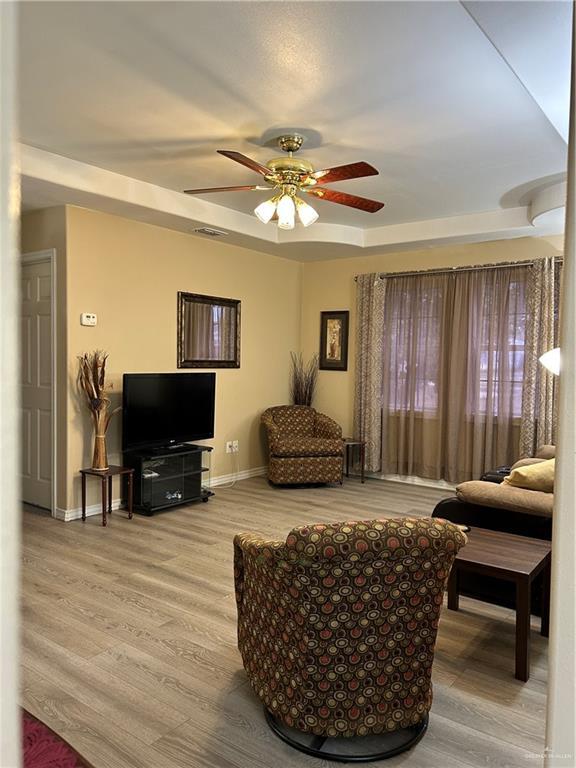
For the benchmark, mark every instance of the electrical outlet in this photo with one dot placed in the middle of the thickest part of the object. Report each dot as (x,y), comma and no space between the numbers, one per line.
(229,448)
(235,447)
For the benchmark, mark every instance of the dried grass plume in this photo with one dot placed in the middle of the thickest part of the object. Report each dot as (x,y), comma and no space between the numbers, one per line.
(92,382)
(303,379)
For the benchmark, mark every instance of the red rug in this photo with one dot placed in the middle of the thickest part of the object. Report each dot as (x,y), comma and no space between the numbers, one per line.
(45,749)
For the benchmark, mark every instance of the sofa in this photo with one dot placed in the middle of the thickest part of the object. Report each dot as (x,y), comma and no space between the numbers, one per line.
(304,446)
(501,507)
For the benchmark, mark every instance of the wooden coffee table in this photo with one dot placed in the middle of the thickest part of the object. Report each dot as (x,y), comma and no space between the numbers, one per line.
(512,558)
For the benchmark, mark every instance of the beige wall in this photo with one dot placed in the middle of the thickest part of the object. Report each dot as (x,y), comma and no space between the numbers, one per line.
(42,230)
(329,285)
(129,274)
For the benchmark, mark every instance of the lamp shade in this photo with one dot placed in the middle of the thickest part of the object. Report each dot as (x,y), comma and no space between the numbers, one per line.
(551,360)
(306,213)
(265,210)
(286,211)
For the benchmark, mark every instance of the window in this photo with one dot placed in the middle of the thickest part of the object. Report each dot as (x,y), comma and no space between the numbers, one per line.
(415,328)
(501,372)
(453,355)
(469,320)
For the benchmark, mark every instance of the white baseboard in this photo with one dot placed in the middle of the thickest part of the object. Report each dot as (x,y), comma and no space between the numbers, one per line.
(243,475)
(96,509)
(76,514)
(442,485)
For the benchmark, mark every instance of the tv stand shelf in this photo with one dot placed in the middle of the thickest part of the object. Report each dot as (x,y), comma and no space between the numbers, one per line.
(164,477)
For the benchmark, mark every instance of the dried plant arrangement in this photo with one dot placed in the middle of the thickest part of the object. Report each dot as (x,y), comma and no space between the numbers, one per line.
(303,379)
(92,382)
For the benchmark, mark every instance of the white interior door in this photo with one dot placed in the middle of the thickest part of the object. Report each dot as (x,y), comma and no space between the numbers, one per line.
(36,354)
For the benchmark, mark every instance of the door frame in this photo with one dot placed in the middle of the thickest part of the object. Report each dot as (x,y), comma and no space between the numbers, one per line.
(38,257)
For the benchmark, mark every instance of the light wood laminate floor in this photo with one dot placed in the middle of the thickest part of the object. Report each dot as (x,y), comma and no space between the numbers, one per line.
(129,645)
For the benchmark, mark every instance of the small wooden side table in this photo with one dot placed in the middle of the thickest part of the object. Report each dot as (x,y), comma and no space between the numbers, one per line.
(350,444)
(106,476)
(513,558)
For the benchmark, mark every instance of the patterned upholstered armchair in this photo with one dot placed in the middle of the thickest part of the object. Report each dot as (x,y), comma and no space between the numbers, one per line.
(337,628)
(304,446)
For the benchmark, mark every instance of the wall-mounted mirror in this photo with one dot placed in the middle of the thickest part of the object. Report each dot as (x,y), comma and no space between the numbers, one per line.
(208,331)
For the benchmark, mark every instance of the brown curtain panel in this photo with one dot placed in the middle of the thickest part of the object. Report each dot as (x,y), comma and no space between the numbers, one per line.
(539,418)
(370,293)
(451,352)
(199,332)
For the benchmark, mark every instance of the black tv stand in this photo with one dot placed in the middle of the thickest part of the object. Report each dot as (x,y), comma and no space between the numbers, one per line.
(169,476)
(161,450)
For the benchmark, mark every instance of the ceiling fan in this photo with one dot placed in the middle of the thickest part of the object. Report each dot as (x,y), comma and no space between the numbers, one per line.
(289,176)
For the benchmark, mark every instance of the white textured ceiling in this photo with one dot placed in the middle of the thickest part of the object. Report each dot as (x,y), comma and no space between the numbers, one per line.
(534,40)
(458,106)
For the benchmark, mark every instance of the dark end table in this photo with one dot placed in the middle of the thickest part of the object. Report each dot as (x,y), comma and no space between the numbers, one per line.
(106,476)
(518,559)
(350,444)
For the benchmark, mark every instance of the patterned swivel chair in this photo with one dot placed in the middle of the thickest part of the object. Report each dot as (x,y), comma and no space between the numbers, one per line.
(337,627)
(304,446)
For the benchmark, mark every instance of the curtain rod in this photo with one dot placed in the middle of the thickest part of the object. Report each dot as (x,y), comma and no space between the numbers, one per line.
(451,270)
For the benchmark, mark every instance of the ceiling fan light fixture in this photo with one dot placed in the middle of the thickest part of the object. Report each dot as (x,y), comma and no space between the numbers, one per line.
(306,213)
(266,210)
(286,211)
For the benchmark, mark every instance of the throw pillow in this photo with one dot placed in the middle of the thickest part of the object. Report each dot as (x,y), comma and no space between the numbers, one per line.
(534,477)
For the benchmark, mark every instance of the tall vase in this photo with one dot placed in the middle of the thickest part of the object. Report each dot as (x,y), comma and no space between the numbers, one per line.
(100,459)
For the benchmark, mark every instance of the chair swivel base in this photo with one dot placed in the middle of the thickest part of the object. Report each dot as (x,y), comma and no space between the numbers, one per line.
(357,749)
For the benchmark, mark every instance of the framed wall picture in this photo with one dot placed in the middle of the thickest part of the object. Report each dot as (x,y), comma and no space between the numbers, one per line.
(334,341)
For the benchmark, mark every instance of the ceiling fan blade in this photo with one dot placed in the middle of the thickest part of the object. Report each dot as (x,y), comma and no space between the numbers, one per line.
(343,172)
(247,161)
(343,198)
(221,189)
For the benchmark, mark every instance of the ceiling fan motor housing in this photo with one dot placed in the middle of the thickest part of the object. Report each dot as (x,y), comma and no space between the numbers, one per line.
(289,170)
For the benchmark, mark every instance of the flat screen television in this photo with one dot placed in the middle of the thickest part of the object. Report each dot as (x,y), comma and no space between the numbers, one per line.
(166,409)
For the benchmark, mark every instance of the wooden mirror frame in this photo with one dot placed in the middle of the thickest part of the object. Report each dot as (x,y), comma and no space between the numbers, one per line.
(197,298)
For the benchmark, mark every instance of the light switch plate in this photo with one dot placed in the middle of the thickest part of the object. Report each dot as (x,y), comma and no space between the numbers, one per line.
(88,318)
